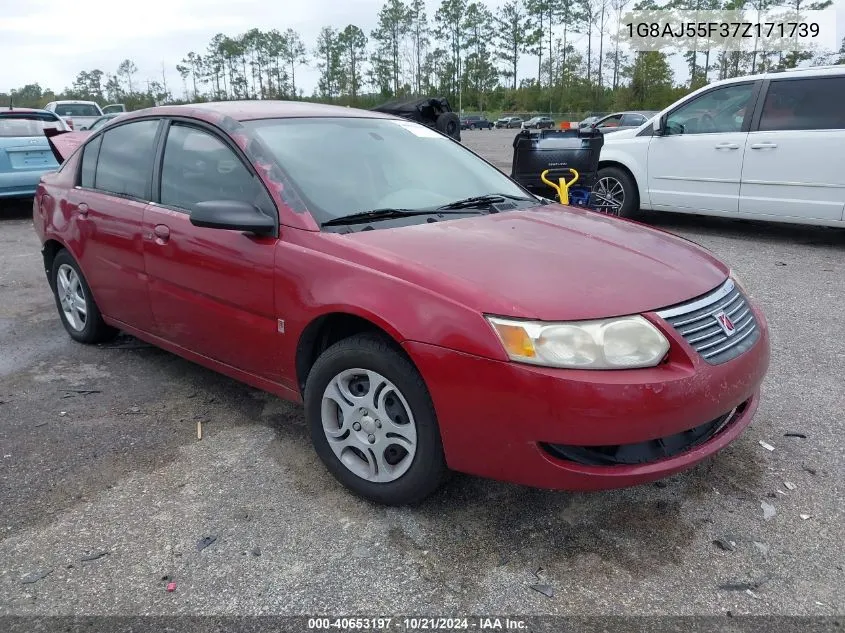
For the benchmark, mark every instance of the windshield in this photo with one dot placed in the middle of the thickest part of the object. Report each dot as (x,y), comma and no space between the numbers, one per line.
(349,165)
(27,124)
(77,109)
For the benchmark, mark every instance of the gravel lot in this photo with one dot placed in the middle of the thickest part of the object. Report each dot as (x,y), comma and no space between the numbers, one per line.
(120,470)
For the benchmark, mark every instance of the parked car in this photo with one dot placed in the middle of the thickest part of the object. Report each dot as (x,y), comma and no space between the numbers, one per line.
(77,114)
(475,122)
(407,305)
(622,121)
(24,152)
(538,122)
(509,122)
(763,147)
(100,122)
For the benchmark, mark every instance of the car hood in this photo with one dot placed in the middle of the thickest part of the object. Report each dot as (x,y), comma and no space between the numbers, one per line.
(618,135)
(548,263)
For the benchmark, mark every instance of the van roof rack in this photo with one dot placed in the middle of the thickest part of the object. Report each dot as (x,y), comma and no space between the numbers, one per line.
(806,68)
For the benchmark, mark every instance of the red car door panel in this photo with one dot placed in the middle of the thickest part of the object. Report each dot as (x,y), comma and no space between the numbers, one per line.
(112,255)
(211,290)
(109,209)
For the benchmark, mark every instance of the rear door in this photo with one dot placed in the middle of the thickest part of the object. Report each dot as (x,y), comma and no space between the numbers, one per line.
(795,156)
(696,165)
(212,290)
(108,206)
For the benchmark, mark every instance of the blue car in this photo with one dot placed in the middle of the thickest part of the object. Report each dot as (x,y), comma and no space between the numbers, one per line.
(24,152)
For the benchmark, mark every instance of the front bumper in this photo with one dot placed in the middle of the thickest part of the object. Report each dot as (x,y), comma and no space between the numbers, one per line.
(507,421)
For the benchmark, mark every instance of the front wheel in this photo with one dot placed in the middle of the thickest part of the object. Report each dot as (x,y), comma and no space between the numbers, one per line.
(615,193)
(373,423)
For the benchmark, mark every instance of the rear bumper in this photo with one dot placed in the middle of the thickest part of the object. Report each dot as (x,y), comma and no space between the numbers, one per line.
(21,184)
(497,419)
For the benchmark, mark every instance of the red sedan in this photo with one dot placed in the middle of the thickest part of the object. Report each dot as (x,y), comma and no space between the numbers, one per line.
(430,314)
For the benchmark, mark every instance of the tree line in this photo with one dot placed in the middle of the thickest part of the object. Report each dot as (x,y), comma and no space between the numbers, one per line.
(463,50)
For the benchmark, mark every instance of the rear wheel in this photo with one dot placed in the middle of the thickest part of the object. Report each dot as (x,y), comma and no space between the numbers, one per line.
(450,124)
(77,309)
(615,193)
(373,423)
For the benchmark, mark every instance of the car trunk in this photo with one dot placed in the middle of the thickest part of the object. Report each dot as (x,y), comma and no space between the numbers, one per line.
(27,153)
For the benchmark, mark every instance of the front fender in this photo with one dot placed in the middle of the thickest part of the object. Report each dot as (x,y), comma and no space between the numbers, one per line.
(633,156)
(311,284)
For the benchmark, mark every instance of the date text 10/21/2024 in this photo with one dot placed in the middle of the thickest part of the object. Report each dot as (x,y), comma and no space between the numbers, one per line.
(416,624)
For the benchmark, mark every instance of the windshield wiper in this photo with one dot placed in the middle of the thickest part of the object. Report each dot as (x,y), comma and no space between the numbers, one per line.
(483,201)
(378,214)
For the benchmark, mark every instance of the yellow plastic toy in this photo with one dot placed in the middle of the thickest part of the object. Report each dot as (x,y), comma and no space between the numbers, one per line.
(562,187)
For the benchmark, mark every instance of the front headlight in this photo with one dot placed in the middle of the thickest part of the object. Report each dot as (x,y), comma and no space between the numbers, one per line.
(618,343)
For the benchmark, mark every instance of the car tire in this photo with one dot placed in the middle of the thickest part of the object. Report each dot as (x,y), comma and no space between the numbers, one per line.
(450,124)
(610,183)
(77,309)
(401,398)
(472,127)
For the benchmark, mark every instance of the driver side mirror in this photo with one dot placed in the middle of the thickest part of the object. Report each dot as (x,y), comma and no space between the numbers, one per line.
(659,125)
(232,215)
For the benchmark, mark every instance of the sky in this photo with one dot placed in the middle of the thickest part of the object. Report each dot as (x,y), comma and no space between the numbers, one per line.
(50,43)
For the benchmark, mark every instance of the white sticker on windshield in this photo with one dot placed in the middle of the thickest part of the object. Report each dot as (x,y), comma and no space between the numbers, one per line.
(419,130)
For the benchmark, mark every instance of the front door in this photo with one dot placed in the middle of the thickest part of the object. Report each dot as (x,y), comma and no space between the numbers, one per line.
(212,290)
(697,164)
(794,160)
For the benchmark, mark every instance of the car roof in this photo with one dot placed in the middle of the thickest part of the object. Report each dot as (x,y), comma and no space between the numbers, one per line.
(259,109)
(37,110)
(75,101)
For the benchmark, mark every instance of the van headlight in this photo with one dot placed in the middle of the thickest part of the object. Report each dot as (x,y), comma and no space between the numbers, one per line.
(618,343)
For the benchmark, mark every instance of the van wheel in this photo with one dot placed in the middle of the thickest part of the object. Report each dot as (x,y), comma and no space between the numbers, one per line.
(373,423)
(77,310)
(615,193)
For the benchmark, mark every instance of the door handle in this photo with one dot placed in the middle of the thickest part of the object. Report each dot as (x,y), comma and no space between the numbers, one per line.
(764,146)
(83,209)
(727,146)
(162,233)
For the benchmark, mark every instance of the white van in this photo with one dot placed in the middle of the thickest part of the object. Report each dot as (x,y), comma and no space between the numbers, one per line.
(763,147)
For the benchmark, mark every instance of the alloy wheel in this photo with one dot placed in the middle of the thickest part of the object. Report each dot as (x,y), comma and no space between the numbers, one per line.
(608,195)
(72,297)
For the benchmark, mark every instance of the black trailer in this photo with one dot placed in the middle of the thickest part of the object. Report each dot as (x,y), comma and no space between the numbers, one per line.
(435,112)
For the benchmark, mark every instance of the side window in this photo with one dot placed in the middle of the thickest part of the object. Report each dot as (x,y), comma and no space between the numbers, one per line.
(89,163)
(199,167)
(633,119)
(126,159)
(804,104)
(718,111)
(611,121)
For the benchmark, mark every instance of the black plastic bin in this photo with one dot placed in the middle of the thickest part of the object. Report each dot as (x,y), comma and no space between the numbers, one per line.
(558,151)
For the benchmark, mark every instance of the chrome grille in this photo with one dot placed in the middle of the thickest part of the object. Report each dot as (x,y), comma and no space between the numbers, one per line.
(697,322)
